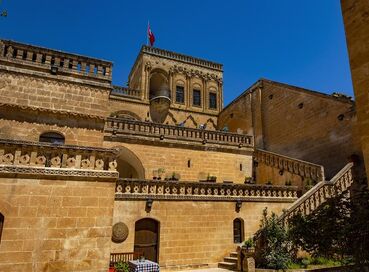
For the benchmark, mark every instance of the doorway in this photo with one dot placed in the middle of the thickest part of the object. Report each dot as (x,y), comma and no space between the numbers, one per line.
(147,238)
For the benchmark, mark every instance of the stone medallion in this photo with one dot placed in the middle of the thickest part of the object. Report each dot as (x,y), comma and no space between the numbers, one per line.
(120,232)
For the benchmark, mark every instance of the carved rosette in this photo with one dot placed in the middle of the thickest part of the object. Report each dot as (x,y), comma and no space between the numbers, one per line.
(120,232)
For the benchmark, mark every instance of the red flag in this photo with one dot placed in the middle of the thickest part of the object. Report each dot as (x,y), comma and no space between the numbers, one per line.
(150,35)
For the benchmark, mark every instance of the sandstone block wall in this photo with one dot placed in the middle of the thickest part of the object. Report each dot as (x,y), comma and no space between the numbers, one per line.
(356,19)
(55,225)
(225,166)
(26,90)
(192,233)
(25,131)
(297,123)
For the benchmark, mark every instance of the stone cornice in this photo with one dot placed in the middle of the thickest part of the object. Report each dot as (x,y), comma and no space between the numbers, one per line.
(46,110)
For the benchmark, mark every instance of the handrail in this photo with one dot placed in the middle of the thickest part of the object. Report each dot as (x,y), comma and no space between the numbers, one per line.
(125,92)
(134,128)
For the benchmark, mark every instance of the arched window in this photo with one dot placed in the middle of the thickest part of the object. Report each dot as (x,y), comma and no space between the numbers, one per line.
(52,137)
(1,224)
(238,230)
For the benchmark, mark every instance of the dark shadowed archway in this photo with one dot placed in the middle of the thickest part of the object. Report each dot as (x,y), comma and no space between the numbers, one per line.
(129,165)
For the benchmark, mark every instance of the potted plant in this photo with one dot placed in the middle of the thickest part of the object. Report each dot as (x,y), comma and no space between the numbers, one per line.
(269,182)
(248,244)
(154,174)
(161,171)
(248,180)
(121,266)
(288,183)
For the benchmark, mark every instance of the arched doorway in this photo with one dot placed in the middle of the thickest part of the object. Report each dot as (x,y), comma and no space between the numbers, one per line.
(129,165)
(147,238)
(238,230)
(159,94)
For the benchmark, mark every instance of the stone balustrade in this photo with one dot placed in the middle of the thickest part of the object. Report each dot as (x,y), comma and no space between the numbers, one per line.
(31,158)
(294,166)
(183,58)
(56,62)
(133,128)
(180,190)
(125,92)
(319,194)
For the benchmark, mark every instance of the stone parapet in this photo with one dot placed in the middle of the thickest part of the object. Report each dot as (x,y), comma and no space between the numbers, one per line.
(125,92)
(55,62)
(38,160)
(294,166)
(180,57)
(202,191)
(119,127)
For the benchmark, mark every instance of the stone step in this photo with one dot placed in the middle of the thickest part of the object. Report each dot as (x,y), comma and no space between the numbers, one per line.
(233,254)
(227,265)
(231,260)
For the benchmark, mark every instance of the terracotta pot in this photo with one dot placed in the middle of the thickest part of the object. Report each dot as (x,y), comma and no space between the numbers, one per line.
(112,269)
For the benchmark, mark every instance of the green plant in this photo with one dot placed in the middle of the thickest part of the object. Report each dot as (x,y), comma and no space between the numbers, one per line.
(274,244)
(248,243)
(288,183)
(269,182)
(248,179)
(121,266)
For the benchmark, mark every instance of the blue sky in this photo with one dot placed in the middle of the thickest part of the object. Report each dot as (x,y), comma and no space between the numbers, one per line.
(299,42)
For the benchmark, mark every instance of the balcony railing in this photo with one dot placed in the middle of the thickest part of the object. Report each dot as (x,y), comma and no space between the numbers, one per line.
(294,166)
(31,158)
(120,126)
(125,92)
(55,61)
(179,190)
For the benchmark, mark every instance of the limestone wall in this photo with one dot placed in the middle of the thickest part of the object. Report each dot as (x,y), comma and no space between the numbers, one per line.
(295,122)
(192,233)
(55,225)
(26,90)
(355,15)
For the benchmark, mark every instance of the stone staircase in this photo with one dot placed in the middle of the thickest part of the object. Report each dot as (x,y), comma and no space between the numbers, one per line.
(229,262)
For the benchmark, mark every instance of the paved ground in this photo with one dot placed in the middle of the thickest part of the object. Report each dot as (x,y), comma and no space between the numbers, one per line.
(215,269)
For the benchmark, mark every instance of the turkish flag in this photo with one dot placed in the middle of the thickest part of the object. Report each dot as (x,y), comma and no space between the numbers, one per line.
(150,35)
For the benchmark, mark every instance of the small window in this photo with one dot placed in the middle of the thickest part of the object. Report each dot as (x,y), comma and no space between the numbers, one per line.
(1,224)
(52,137)
(180,94)
(196,98)
(212,100)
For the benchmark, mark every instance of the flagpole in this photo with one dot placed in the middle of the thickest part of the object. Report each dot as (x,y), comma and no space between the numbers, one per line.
(147,33)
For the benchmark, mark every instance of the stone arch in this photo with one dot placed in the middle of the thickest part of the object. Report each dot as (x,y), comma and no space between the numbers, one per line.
(125,114)
(129,165)
(158,82)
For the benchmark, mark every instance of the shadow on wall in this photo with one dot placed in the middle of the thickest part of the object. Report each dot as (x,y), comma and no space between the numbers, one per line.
(129,165)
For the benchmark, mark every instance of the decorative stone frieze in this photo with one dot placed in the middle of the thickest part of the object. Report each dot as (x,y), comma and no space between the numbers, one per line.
(133,128)
(192,191)
(294,166)
(30,158)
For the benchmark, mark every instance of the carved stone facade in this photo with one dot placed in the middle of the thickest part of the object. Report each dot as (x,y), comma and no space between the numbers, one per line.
(113,162)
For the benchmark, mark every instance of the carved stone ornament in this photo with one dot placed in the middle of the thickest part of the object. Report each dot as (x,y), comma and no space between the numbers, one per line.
(120,232)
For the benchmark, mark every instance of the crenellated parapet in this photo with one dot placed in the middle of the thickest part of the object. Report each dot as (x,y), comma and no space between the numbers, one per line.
(201,191)
(56,161)
(294,166)
(55,62)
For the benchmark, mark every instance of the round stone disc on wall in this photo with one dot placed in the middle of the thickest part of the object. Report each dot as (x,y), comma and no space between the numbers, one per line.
(120,232)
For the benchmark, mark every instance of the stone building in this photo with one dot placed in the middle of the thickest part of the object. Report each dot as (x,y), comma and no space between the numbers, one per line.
(88,168)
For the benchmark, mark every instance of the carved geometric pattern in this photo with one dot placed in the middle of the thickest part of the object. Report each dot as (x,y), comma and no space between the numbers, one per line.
(120,232)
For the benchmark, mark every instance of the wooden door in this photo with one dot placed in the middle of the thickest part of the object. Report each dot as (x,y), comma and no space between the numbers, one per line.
(237,230)
(147,238)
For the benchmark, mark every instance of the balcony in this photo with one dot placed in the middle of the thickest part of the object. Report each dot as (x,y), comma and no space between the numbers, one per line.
(196,191)
(44,160)
(119,129)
